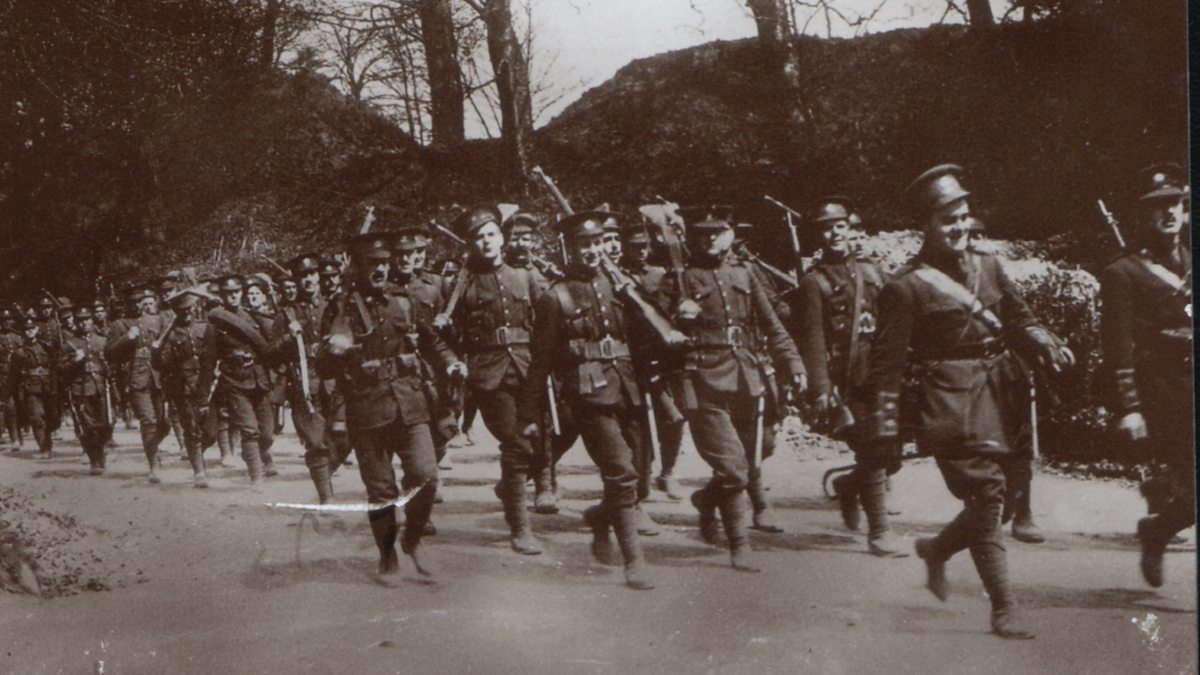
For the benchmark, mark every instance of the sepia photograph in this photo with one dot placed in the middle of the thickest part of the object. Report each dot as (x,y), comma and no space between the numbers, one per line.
(596,336)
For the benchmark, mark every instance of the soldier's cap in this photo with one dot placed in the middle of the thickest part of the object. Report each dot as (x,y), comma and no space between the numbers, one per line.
(65,304)
(230,283)
(330,267)
(831,208)
(261,280)
(583,224)
(471,220)
(410,238)
(936,188)
(1164,180)
(706,217)
(83,312)
(45,302)
(450,266)
(855,220)
(370,246)
(520,222)
(635,233)
(285,279)
(614,221)
(305,263)
(99,304)
(187,297)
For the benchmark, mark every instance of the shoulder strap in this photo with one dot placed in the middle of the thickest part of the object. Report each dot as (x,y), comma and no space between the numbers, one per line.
(855,317)
(942,283)
(565,300)
(823,284)
(1163,274)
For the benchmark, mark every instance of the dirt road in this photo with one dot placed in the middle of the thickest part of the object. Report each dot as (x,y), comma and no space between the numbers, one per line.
(213,581)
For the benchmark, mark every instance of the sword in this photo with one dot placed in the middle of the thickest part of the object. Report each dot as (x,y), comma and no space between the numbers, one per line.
(550,398)
(758,430)
(353,507)
(304,372)
(1033,419)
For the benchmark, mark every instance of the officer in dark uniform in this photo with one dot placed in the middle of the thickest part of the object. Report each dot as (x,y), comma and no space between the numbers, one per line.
(81,366)
(33,384)
(375,350)
(10,342)
(520,248)
(725,383)
(492,320)
(179,361)
(949,322)
(1146,337)
(835,322)
(131,342)
(50,334)
(668,421)
(331,278)
(583,335)
(236,354)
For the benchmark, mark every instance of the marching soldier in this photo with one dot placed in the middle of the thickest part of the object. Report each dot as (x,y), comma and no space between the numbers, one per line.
(235,355)
(725,383)
(769,278)
(668,421)
(520,249)
(375,348)
(582,335)
(50,334)
(34,385)
(1146,338)
(492,320)
(131,342)
(10,342)
(331,278)
(81,366)
(950,321)
(179,361)
(835,322)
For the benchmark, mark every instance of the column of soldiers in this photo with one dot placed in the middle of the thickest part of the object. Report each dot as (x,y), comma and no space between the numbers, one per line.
(622,347)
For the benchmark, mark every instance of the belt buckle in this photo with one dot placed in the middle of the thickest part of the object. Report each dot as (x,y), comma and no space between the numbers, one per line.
(735,336)
(502,335)
(606,347)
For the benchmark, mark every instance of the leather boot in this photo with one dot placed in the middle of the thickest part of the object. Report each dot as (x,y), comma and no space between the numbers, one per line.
(544,499)
(845,490)
(764,518)
(322,481)
(1153,548)
(223,443)
(667,483)
(645,524)
(268,462)
(597,519)
(992,564)
(935,568)
(702,499)
(383,526)
(416,518)
(625,524)
(513,496)
(733,515)
(1023,527)
(253,460)
(152,460)
(873,494)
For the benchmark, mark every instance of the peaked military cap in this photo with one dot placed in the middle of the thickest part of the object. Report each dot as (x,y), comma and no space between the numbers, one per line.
(831,208)
(262,281)
(305,263)
(450,266)
(1165,180)
(635,233)
(410,238)
(936,187)
(230,283)
(706,217)
(521,222)
(370,246)
(467,224)
(139,292)
(83,312)
(45,302)
(583,224)
(65,304)
(330,267)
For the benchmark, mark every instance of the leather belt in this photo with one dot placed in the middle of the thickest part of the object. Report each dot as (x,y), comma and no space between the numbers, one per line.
(501,337)
(731,337)
(977,350)
(606,349)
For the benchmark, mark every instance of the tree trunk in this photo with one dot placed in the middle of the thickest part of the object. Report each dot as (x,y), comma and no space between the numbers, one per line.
(771,17)
(266,55)
(980,13)
(445,79)
(512,86)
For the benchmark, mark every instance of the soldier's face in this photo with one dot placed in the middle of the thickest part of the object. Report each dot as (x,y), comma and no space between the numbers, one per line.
(289,290)
(148,306)
(373,274)
(488,242)
(231,299)
(639,252)
(255,297)
(949,228)
(711,242)
(311,283)
(31,331)
(836,236)
(587,250)
(612,245)
(406,264)
(101,313)
(85,324)
(1164,216)
(330,283)
(45,312)
(522,241)
(419,256)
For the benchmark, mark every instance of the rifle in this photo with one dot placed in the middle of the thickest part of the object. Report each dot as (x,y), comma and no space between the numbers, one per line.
(460,282)
(1112,223)
(368,220)
(789,212)
(276,265)
(622,282)
(787,279)
(61,344)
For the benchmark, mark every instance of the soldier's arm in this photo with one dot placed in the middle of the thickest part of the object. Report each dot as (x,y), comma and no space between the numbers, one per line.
(810,338)
(889,359)
(208,361)
(66,364)
(1025,332)
(119,344)
(545,343)
(779,344)
(1116,340)
(433,348)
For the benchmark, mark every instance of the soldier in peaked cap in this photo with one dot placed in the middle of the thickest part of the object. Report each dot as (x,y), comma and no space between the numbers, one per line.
(669,422)
(612,235)
(768,278)
(1146,334)
(34,382)
(963,359)
(82,368)
(50,334)
(331,278)
(493,320)
(236,355)
(131,343)
(306,270)
(520,245)
(584,335)
(179,360)
(836,309)
(376,349)
(725,380)
(10,342)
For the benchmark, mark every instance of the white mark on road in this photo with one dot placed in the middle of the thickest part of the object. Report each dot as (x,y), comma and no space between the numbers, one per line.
(1151,630)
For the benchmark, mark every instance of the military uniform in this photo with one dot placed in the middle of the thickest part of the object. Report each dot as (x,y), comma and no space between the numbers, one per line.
(10,342)
(145,385)
(1146,337)
(81,367)
(50,335)
(969,397)
(583,336)
(375,351)
(492,321)
(179,361)
(724,383)
(34,385)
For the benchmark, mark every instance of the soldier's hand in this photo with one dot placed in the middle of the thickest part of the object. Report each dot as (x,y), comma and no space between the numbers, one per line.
(824,404)
(688,310)
(340,343)
(457,370)
(1133,426)
(441,321)
(294,327)
(531,430)
(133,333)
(79,355)
(799,383)
(1052,352)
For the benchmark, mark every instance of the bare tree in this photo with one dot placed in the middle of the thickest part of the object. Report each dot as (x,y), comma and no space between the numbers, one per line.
(980,14)
(352,40)
(440,41)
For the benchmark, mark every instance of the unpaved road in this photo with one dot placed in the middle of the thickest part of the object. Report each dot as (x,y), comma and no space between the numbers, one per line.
(212,581)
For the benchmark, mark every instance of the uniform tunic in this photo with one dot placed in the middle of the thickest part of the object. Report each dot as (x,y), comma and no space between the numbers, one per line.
(87,380)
